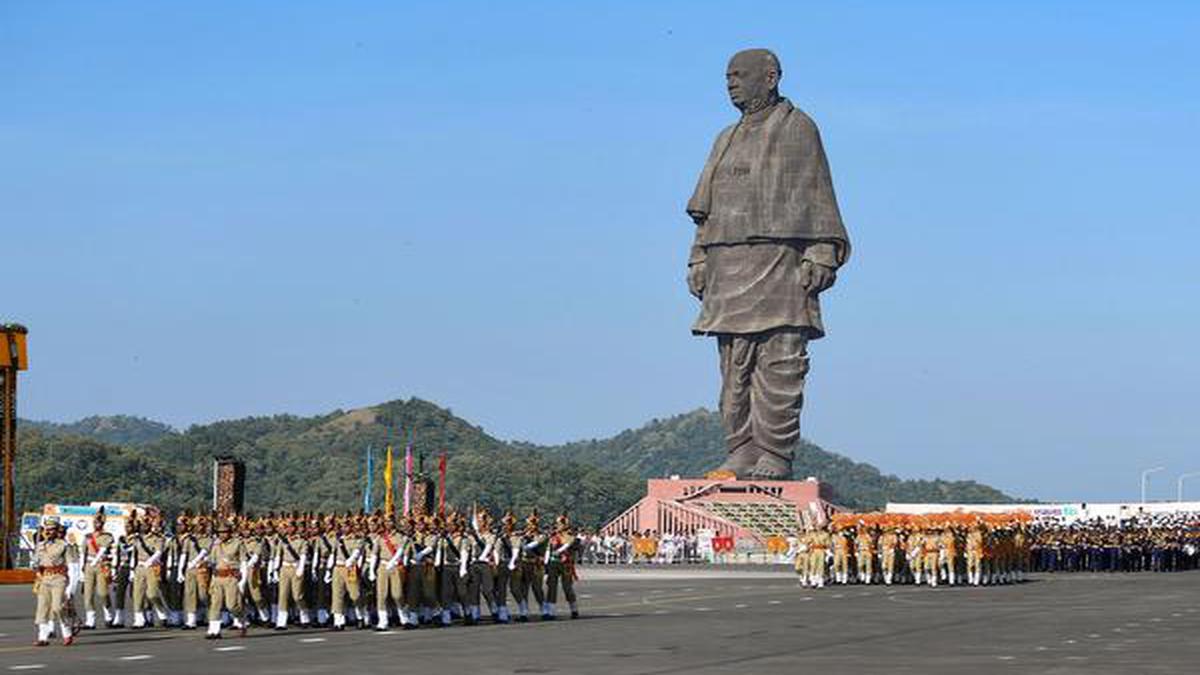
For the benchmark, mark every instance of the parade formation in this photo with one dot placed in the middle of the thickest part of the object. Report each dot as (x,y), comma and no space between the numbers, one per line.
(311,570)
(987,548)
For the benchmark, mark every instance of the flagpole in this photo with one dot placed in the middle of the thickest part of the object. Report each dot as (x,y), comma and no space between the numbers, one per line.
(442,484)
(367,491)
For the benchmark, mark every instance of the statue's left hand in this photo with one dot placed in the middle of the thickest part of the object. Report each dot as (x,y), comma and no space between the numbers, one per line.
(817,277)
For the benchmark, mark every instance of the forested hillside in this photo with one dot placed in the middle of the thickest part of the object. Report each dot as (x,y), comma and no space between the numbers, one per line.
(318,463)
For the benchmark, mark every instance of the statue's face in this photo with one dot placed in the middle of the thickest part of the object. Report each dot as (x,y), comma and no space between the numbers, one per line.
(750,80)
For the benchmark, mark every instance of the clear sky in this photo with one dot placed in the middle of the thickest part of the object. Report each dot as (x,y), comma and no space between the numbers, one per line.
(247,208)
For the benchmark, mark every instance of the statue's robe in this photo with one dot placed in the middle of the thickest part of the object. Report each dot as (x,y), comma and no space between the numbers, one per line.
(764,204)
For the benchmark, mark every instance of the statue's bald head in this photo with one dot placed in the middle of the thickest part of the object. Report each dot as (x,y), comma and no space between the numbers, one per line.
(752,79)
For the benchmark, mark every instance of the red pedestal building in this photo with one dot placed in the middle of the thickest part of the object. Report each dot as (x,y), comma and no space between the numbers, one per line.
(740,509)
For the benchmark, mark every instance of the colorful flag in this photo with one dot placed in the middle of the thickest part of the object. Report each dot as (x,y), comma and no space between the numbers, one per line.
(387,479)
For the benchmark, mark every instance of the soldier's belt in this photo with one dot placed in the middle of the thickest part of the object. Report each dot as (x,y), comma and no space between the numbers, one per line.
(51,570)
(226,572)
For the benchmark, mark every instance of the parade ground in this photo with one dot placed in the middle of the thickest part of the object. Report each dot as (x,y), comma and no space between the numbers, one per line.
(706,620)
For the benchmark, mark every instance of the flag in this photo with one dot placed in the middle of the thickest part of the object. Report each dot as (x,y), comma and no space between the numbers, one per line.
(387,479)
(370,481)
(408,461)
(442,484)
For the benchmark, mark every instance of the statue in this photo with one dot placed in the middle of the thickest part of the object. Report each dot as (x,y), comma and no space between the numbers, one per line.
(769,240)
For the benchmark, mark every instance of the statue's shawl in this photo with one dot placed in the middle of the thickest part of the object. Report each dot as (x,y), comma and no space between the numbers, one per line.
(793,190)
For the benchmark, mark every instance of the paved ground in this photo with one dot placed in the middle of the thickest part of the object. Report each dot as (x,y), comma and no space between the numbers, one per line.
(703,621)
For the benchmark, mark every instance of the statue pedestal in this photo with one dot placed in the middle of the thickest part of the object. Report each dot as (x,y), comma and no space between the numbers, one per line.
(753,509)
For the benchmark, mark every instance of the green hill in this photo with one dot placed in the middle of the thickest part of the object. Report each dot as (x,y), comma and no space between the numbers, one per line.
(693,443)
(317,463)
(115,429)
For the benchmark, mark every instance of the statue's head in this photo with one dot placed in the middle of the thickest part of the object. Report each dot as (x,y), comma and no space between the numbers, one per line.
(752,79)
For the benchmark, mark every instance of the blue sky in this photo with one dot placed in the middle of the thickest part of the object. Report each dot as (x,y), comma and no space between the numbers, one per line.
(226,209)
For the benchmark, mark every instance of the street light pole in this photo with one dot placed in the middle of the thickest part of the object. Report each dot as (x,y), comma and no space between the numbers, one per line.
(1145,475)
(1179,494)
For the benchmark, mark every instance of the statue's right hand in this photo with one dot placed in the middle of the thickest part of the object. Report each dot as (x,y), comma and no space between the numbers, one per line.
(695,280)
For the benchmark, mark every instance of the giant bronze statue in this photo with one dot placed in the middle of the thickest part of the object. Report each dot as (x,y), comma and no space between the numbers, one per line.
(769,240)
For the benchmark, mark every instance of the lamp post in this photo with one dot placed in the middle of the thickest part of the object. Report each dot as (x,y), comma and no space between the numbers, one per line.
(1145,475)
(1183,477)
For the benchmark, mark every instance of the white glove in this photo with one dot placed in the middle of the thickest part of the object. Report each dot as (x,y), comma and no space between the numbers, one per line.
(328,576)
(371,573)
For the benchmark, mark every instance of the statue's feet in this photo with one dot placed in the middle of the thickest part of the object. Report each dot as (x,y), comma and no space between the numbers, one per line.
(739,463)
(771,467)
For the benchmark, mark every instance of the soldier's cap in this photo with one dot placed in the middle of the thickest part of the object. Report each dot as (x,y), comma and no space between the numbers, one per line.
(51,521)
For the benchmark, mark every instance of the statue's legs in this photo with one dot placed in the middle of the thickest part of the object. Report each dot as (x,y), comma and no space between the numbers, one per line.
(762,392)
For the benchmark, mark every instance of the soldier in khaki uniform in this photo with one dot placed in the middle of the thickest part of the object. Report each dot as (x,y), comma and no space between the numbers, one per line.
(485,564)
(422,573)
(451,560)
(949,559)
(148,546)
(391,551)
(889,542)
(931,545)
(254,542)
(864,553)
(975,537)
(291,560)
(913,551)
(532,569)
(99,556)
(560,566)
(50,565)
(345,556)
(228,556)
(820,542)
(841,556)
(193,567)
(320,532)
(800,555)
(508,544)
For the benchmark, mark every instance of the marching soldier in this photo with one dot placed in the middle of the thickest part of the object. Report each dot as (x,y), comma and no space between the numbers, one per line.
(949,559)
(841,556)
(864,553)
(228,558)
(975,537)
(454,561)
(800,555)
(424,569)
(509,551)
(560,566)
(391,552)
(888,543)
(529,573)
(99,553)
(123,570)
(320,576)
(485,565)
(148,548)
(50,565)
(914,550)
(819,543)
(291,560)
(254,544)
(193,575)
(345,555)
(931,545)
